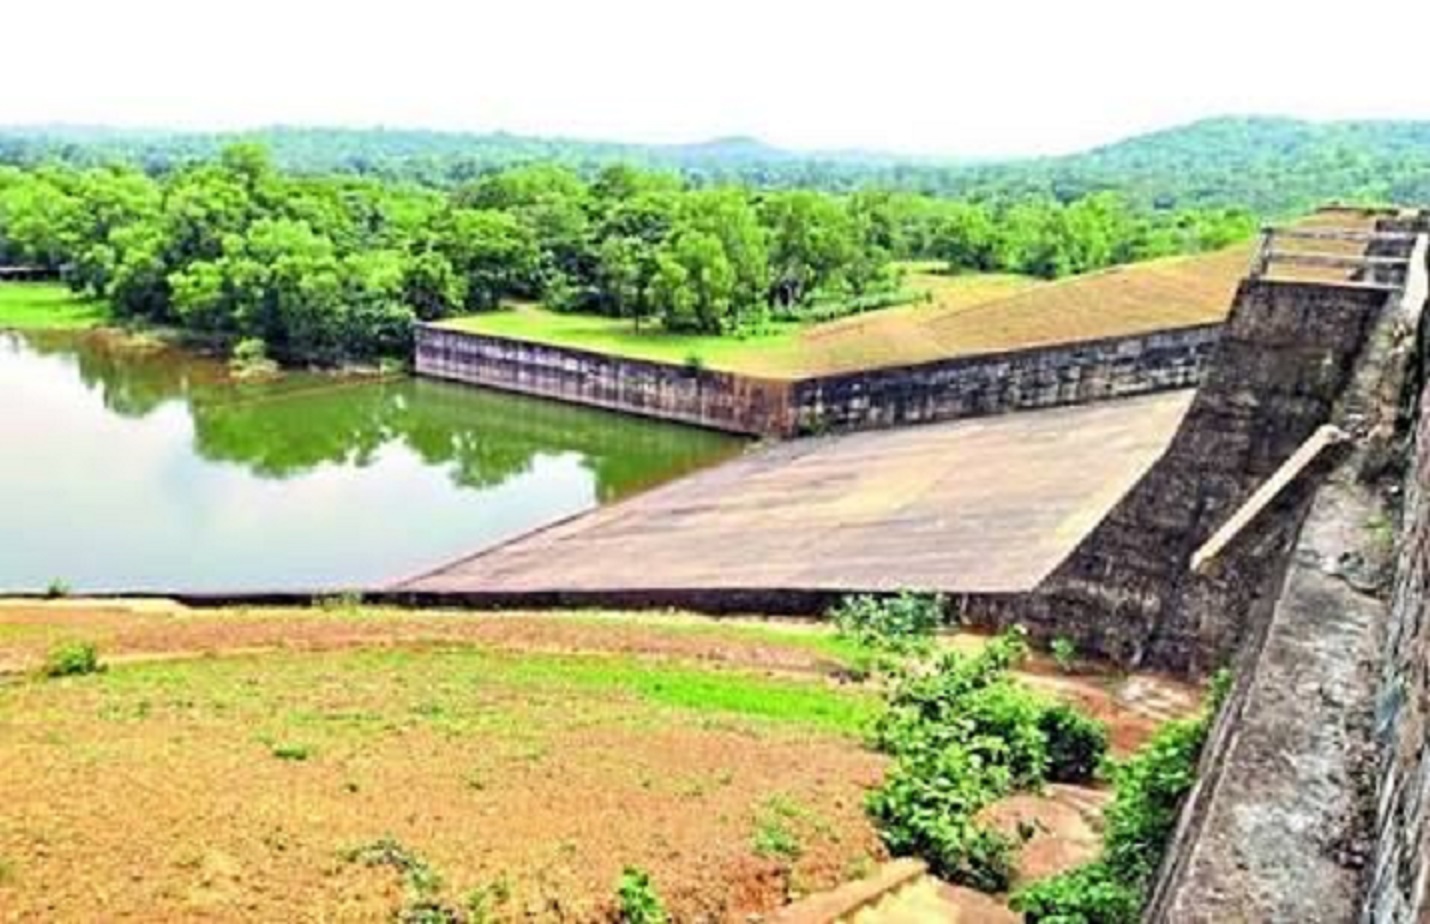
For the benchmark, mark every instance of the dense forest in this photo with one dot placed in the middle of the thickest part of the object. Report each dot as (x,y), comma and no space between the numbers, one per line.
(1275,167)
(332,268)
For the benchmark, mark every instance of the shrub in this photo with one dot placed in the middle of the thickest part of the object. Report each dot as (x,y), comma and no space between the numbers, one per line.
(1003,724)
(902,625)
(964,733)
(1089,894)
(1064,653)
(250,359)
(72,659)
(926,808)
(1150,786)
(637,900)
(1076,744)
(57,588)
(930,706)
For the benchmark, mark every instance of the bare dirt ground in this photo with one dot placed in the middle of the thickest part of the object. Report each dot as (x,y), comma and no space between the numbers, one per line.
(228,763)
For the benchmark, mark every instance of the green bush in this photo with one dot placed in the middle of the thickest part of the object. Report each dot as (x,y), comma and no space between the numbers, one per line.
(1064,653)
(250,359)
(1076,744)
(931,706)
(903,625)
(1089,894)
(72,659)
(926,808)
(964,733)
(1150,787)
(637,900)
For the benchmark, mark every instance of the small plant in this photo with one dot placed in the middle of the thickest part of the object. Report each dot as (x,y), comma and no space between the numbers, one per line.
(774,839)
(482,901)
(637,900)
(1064,653)
(57,589)
(293,752)
(250,360)
(775,834)
(422,903)
(7,872)
(901,625)
(72,659)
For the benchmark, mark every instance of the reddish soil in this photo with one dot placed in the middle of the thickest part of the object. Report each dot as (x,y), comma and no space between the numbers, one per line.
(1066,823)
(161,800)
(153,793)
(141,631)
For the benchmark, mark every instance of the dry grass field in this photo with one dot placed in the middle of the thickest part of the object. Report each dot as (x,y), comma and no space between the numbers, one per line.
(319,765)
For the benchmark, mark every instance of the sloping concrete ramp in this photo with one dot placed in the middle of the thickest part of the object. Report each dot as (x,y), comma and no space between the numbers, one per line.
(990,505)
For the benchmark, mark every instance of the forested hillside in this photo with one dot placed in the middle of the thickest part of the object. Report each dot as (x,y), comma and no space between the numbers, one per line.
(1276,167)
(330,268)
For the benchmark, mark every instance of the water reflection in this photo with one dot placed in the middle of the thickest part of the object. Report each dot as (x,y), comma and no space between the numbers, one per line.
(149,469)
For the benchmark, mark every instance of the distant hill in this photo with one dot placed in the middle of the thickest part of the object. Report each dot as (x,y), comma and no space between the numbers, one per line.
(1275,166)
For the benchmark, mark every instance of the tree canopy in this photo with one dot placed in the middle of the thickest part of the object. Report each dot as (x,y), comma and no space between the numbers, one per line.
(333,268)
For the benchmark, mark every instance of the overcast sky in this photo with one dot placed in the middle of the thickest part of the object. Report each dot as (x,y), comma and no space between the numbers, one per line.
(989,77)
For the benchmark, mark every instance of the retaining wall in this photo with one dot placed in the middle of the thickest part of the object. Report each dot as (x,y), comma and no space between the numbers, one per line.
(1310,803)
(1286,354)
(1399,876)
(969,386)
(720,400)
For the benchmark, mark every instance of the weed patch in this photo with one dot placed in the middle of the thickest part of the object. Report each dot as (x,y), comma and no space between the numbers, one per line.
(293,752)
(72,659)
(422,885)
(637,900)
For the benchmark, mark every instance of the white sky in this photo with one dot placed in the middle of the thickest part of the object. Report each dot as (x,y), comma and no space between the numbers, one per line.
(987,77)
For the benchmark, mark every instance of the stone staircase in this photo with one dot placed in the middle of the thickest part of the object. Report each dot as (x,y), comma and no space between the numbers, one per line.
(901,892)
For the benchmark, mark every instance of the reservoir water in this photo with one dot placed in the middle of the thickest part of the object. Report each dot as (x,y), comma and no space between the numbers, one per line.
(125,468)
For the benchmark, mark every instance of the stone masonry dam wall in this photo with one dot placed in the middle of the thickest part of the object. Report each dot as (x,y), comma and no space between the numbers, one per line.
(1398,881)
(993,383)
(1311,798)
(1286,353)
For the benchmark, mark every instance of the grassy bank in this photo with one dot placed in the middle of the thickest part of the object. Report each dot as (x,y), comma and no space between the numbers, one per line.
(786,350)
(960,315)
(47,306)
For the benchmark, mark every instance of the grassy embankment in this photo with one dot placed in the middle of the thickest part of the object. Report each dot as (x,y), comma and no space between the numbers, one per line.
(963,315)
(47,306)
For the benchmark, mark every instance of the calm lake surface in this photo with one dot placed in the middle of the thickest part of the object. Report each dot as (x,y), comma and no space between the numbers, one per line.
(125,469)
